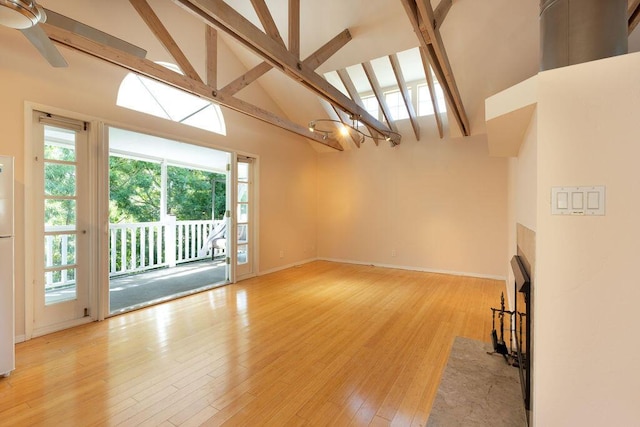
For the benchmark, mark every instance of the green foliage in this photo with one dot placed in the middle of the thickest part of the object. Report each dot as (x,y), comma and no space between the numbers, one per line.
(59,181)
(135,187)
(190,194)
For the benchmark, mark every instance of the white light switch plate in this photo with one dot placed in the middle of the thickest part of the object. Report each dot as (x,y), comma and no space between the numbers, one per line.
(578,200)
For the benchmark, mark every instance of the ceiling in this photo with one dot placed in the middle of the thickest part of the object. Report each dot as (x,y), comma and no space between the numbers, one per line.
(491,44)
(153,148)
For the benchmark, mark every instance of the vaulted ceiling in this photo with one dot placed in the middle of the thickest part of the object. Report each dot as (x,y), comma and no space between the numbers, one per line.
(288,47)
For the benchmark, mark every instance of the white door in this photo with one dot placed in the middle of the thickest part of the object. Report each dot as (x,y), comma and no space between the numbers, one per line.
(245,214)
(61,226)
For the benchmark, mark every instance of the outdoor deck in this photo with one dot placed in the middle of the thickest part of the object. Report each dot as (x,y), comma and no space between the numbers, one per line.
(148,262)
(136,290)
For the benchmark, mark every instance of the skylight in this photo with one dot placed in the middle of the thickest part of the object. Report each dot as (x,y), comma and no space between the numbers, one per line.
(143,94)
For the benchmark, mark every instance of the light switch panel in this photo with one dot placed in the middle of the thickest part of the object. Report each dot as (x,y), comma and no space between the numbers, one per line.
(563,200)
(578,200)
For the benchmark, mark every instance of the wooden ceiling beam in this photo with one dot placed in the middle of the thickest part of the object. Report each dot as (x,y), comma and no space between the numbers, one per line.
(294,28)
(634,14)
(377,90)
(313,61)
(269,25)
(406,97)
(346,80)
(421,16)
(223,16)
(437,51)
(441,12)
(246,79)
(159,73)
(160,31)
(327,50)
(432,91)
(211,46)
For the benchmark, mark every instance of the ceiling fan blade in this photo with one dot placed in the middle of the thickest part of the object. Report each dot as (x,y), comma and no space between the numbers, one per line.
(91,33)
(41,41)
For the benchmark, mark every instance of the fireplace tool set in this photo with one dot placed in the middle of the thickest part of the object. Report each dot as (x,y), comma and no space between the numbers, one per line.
(499,344)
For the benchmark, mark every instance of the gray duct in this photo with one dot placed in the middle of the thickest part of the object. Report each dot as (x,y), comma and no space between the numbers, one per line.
(576,31)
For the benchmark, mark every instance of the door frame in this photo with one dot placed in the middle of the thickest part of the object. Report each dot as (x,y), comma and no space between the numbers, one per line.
(99,201)
(253,215)
(103,169)
(30,243)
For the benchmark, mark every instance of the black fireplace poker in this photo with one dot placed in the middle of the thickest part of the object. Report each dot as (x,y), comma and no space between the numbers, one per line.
(499,345)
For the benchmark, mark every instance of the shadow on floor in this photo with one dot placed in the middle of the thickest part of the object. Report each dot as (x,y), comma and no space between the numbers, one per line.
(141,289)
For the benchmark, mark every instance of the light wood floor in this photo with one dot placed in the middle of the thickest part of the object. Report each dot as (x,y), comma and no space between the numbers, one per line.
(320,344)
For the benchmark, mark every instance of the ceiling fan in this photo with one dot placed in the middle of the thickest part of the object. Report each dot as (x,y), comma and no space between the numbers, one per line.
(27,15)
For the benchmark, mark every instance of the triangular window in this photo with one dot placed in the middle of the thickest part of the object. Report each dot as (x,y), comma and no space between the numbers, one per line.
(143,94)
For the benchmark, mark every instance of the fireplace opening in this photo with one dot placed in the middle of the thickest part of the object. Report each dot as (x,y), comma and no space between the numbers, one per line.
(522,330)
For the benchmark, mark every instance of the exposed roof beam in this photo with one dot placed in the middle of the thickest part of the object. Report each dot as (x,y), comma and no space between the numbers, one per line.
(432,91)
(313,61)
(267,20)
(634,14)
(327,50)
(422,19)
(377,90)
(211,46)
(246,79)
(402,85)
(294,28)
(345,78)
(441,12)
(161,33)
(222,16)
(158,72)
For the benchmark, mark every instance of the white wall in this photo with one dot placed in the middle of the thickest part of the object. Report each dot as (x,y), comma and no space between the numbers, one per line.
(582,133)
(586,294)
(522,194)
(439,205)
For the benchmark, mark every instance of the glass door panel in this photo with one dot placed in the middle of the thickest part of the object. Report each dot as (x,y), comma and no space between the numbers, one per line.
(244,215)
(60,214)
(61,184)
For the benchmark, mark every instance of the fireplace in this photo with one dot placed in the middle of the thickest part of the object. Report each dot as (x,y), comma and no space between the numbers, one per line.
(522,326)
(523,267)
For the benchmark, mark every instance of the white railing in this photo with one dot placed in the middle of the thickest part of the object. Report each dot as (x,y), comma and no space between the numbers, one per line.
(59,252)
(144,246)
(134,247)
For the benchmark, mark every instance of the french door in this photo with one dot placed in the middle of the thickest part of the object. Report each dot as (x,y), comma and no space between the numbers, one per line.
(62,244)
(244,244)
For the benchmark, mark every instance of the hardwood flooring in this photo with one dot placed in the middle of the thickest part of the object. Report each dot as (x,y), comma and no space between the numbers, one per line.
(320,344)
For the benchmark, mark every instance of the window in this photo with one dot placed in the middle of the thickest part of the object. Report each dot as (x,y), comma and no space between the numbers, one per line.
(425,106)
(158,99)
(396,105)
(371,105)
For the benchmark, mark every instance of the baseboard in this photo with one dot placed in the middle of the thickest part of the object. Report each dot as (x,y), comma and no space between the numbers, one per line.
(20,338)
(421,269)
(284,267)
(60,326)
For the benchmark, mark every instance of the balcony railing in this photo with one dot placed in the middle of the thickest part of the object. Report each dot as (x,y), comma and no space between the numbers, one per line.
(137,247)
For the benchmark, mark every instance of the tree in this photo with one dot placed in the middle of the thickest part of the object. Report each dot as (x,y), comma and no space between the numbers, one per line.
(60,181)
(135,190)
(190,193)
(135,187)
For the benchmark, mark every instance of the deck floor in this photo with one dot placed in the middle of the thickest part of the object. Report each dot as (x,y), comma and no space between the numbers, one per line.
(137,290)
